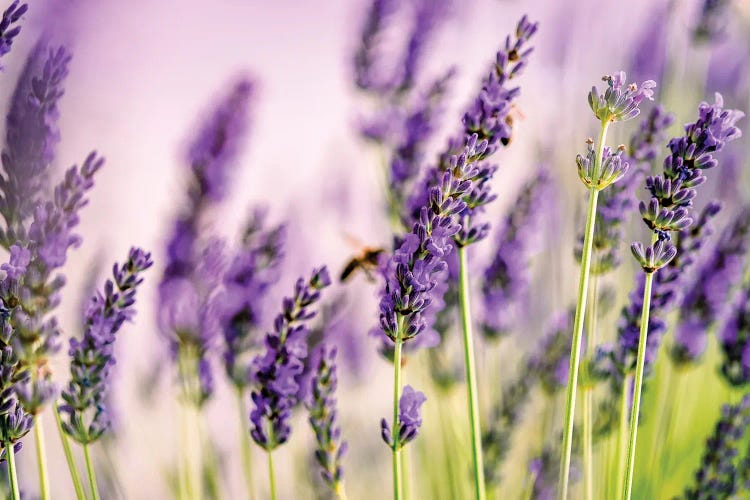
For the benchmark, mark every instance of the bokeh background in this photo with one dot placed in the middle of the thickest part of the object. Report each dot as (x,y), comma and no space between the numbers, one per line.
(145,72)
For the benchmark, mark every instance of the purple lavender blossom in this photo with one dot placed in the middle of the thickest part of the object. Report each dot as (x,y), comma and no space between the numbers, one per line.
(15,423)
(253,270)
(649,50)
(276,372)
(672,192)
(717,476)
(619,102)
(712,21)
(51,235)
(667,288)
(31,137)
(409,418)
(506,284)
(709,292)
(366,56)
(84,409)
(734,338)
(189,304)
(9,28)
(486,121)
(323,418)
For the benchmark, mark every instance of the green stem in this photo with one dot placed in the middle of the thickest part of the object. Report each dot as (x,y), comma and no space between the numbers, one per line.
(77,484)
(588,397)
(10,453)
(640,367)
(622,432)
(247,461)
(575,353)
(91,472)
(271,476)
(396,392)
(471,375)
(41,458)
(340,491)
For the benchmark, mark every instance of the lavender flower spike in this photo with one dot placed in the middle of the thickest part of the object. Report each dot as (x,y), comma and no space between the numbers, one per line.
(619,102)
(323,419)
(31,136)
(9,28)
(717,476)
(705,298)
(276,372)
(252,271)
(409,418)
(505,285)
(84,408)
(734,339)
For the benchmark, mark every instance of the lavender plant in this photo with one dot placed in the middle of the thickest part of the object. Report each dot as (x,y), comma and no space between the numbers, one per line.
(324,420)
(599,168)
(668,211)
(83,407)
(505,286)
(252,271)
(711,289)
(188,313)
(734,338)
(718,475)
(9,27)
(275,389)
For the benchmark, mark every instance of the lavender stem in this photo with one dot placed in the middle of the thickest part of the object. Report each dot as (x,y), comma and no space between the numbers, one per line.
(12,477)
(271,475)
(91,472)
(588,397)
(622,430)
(396,391)
(575,353)
(245,446)
(69,457)
(471,374)
(640,365)
(41,458)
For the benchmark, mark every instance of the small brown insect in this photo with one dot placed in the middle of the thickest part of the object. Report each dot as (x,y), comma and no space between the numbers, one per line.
(366,260)
(513,115)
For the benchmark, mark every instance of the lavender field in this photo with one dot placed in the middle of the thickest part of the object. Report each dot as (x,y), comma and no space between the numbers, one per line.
(408,249)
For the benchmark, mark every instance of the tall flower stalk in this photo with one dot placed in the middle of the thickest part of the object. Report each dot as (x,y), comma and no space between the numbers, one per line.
(84,405)
(672,194)
(599,168)
(277,371)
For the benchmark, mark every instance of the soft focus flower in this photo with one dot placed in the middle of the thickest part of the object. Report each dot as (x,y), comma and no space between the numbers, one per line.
(506,279)
(253,270)
(9,27)
(324,417)
(30,139)
(717,476)
(707,295)
(734,339)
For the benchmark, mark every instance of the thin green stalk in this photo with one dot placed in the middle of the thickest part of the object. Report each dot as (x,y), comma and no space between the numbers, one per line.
(10,453)
(247,460)
(575,353)
(271,475)
(622,432)
(91,473)
(340,491)
(405,475)
(640,367)
(41,458)
(588,398)
(471,375)
(397,488)
(77,484)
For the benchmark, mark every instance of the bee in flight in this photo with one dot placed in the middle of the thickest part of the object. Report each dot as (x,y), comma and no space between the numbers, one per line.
(366,260)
